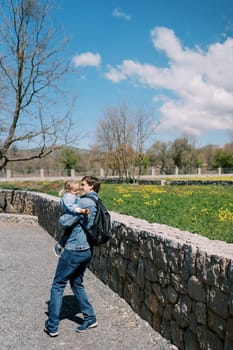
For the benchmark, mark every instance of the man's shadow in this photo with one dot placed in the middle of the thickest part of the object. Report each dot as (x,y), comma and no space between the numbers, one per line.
(70,309)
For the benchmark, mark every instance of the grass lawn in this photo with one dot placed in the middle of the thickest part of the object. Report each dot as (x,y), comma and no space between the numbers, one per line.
(203,209)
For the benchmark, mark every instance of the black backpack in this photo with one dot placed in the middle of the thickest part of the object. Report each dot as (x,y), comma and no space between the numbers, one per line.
(100,231)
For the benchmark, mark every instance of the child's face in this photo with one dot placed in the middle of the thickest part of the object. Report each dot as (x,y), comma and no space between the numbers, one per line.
(75,189)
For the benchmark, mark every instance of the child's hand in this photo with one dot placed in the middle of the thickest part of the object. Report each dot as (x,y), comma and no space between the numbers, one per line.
(85,211)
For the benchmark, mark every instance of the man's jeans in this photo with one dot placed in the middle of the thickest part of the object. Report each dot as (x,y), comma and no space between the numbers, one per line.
(71,267)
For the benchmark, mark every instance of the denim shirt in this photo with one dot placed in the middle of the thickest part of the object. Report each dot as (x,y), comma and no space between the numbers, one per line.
(78,238)
(69,202)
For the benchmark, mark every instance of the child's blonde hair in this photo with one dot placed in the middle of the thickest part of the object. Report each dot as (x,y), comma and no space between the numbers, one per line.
(67,186)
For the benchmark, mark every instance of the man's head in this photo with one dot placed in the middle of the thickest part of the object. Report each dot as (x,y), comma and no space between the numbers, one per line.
(90,183)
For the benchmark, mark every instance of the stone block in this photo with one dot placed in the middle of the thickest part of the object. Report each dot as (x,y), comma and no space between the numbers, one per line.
(229,329)
(218,302)
(201,313)
(190,341)
(196,289)
(182,310)
(172,294)
(151,272)
(217,324)
(208,339)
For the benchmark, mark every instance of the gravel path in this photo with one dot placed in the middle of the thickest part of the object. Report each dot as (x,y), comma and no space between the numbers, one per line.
(27,265)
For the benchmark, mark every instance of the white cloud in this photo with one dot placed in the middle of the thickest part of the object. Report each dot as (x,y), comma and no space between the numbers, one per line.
(200,80)
(160,98)
(87,59)
(118,13)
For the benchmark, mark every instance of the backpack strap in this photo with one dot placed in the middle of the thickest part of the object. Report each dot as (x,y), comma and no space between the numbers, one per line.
(95,200)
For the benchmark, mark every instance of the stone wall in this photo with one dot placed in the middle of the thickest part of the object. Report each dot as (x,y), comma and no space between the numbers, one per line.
(181,283)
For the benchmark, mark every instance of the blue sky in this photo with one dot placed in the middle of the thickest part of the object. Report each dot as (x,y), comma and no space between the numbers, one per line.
(172,57)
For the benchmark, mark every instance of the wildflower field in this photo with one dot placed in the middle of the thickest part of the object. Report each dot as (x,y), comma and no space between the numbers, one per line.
(203,209)
(207,210)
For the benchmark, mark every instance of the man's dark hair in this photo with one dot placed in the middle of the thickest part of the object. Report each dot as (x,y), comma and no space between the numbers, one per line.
(92,181)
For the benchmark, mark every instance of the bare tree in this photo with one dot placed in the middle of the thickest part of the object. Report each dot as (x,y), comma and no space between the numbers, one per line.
(115,136)
(31,68)
(145,126)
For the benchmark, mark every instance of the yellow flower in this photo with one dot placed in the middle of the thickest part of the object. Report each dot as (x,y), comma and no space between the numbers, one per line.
(126,195)
(225,215)
(118,200)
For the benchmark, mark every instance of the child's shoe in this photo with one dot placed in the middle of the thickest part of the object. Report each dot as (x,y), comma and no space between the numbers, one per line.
(57,249)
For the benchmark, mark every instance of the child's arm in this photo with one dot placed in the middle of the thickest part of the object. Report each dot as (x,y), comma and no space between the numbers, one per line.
(85,211)
(77,209)
(70,204)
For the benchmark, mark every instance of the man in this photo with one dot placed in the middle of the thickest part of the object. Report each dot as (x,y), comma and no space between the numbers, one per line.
(72,264)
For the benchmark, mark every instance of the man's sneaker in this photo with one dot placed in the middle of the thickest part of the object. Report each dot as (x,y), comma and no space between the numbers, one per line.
(57,249)
(51,334)
(86,325)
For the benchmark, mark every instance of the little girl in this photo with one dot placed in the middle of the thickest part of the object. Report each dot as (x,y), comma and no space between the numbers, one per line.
(69,204)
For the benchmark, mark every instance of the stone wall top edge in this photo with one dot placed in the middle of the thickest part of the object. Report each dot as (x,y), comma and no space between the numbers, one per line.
(33,193)
(165,232)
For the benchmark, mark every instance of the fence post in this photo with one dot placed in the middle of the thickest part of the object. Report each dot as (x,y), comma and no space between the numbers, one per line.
(153,171)
(176,170)
(8,173)
(72,173)
(41,172)
(198,171)
(219,171)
